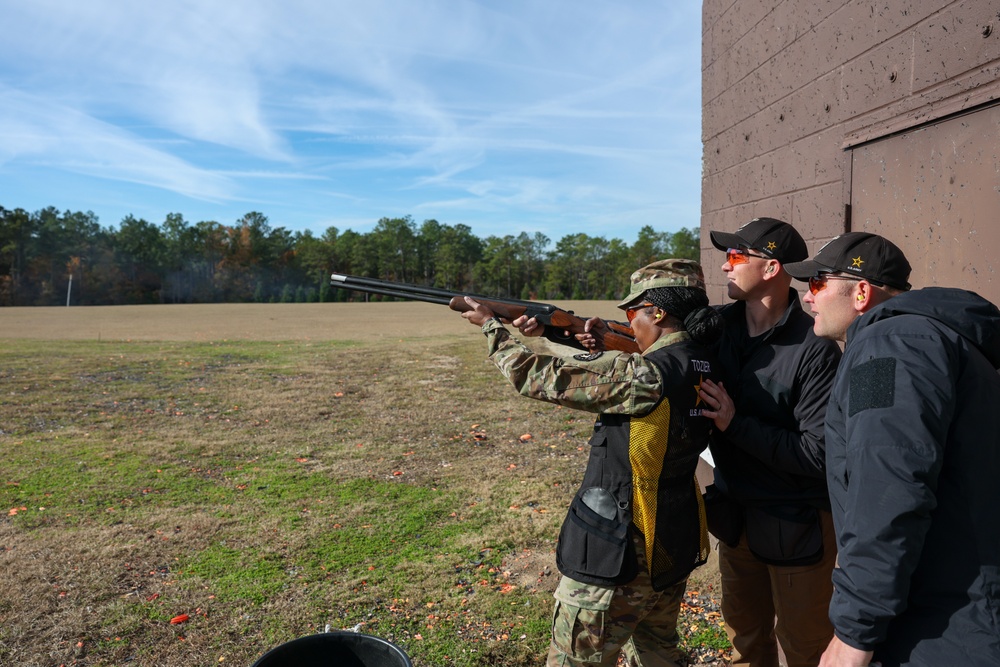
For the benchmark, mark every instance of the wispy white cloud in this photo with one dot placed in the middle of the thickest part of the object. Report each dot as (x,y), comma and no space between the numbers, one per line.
(47,134)
(466,105)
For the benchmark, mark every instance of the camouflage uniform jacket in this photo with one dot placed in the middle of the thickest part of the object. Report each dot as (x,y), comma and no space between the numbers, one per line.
(643,453)
(609,383)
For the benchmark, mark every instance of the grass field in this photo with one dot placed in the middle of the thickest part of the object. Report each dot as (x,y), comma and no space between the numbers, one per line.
(194,485)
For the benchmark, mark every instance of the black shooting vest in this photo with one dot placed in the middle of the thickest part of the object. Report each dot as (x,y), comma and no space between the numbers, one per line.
(641,476)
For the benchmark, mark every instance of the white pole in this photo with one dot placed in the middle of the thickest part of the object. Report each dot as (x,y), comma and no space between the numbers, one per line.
(69,288)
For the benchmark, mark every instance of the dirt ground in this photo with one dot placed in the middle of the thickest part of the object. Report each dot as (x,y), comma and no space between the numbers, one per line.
(236,321)
(298,322)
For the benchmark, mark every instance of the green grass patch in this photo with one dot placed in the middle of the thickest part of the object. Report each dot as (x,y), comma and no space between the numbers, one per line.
(270,490)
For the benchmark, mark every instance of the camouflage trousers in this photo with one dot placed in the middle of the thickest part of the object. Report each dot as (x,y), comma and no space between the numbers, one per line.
(592,624)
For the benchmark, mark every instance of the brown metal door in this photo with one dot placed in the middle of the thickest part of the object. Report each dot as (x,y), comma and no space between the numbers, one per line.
(935,192)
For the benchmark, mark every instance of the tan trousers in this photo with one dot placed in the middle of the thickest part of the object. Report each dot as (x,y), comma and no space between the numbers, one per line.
(754,594)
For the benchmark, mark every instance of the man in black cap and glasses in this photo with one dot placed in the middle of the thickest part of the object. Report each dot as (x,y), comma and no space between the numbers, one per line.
(769,505)
(913,460)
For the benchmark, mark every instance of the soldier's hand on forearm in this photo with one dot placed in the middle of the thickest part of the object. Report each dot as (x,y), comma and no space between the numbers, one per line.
(719,406)
(478,314)
(529,326)
(592,337)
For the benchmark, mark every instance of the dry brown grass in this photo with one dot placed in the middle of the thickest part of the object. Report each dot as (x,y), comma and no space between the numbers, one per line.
(156,438)
(362,322)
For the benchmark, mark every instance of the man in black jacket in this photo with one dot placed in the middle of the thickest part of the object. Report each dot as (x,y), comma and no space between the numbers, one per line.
(913,461)
(777,554)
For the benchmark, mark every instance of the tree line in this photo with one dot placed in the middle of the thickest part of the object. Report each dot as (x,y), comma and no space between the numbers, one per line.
(50,258)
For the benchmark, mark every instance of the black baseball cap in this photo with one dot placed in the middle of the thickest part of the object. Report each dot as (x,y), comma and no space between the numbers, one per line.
(869,256)
(775,238)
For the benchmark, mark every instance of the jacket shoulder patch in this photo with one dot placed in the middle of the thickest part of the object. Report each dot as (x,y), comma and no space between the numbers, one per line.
(593,356)
(872,385)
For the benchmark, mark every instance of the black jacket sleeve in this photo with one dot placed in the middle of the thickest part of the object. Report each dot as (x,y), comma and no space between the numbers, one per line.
(887,428)
(799,450)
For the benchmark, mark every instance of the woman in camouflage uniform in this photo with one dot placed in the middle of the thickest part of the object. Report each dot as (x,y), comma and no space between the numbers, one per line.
(636,527)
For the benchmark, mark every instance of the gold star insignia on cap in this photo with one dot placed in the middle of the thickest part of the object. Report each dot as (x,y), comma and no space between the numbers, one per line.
(771,245)
(856,262)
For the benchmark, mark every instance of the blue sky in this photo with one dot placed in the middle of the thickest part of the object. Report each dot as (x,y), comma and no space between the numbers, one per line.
(545,116)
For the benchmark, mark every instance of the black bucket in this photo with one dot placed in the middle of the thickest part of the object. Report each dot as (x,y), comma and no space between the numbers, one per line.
(335,649)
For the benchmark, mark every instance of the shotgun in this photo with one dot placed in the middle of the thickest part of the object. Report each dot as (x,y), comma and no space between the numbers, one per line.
(556,320)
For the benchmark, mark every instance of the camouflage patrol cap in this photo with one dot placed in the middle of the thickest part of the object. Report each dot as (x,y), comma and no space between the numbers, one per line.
(664,273)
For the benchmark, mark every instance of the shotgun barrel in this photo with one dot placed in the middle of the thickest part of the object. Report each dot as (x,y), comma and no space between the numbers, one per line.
(617,338)
(430,294)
